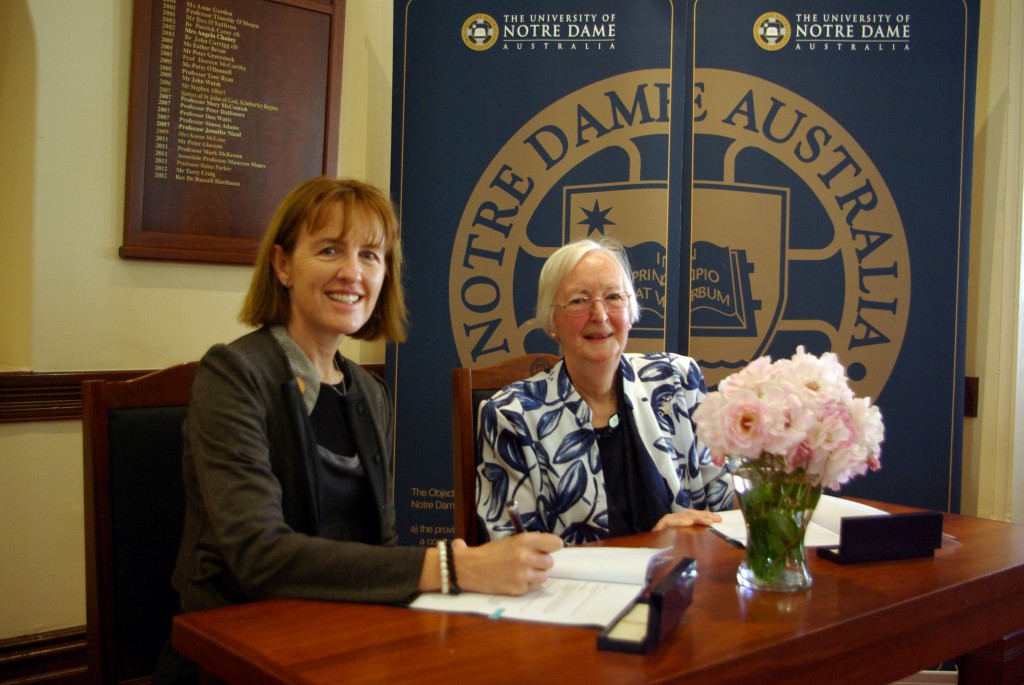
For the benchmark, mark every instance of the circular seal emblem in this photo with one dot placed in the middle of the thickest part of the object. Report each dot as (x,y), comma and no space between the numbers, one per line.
(480,32)
(795,237)
(771,31)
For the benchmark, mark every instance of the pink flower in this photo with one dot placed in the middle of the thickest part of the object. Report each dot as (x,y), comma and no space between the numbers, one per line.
(734,424)
(743,424)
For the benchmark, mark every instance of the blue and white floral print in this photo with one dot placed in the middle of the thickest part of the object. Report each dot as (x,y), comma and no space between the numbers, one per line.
(538,447)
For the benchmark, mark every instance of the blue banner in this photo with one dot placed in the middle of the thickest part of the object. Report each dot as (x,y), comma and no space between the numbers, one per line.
(521,125)
(782,174)
(831,151)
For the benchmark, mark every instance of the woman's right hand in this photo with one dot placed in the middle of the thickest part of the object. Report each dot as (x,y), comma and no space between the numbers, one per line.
(510,566)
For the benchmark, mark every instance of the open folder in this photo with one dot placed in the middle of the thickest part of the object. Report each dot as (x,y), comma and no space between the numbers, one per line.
(587,586)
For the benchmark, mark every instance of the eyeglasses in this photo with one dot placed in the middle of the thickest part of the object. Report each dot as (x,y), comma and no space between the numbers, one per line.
(581,306)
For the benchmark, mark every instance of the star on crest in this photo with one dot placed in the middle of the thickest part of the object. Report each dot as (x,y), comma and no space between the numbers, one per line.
(596,219)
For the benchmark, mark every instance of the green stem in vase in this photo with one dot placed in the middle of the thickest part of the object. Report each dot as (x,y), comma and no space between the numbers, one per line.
(777,508)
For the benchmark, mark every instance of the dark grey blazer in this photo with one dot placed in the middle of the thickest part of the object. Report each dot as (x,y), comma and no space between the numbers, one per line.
(251,507)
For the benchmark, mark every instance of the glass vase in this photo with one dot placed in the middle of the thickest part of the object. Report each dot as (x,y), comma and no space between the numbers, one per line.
(777,507)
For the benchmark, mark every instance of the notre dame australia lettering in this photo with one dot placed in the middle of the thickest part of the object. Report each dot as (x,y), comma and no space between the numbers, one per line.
(838,171)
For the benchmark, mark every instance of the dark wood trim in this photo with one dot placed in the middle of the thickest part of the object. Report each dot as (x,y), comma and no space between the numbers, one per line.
(57,396)
(56,656)
(42,396)
(997,663)
(377,369)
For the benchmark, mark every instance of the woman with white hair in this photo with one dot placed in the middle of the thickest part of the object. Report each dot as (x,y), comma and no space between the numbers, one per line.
(602,444)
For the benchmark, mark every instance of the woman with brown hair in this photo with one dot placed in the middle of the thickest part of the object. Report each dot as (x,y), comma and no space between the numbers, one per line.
(287,450)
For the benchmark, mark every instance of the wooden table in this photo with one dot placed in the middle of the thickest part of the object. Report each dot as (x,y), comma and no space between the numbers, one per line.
(863,623)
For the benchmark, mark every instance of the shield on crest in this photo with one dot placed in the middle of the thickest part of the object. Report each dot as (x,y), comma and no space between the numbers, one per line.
(737,273)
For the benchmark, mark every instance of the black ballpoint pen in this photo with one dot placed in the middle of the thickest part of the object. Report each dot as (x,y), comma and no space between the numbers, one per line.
(513,513)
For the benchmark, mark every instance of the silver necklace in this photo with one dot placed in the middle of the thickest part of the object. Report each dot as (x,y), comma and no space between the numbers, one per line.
(340,387)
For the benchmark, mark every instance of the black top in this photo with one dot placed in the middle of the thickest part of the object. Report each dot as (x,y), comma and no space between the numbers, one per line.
(637,494)
(344,490)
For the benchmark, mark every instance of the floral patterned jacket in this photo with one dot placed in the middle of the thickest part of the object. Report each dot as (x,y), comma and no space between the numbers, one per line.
(538,447)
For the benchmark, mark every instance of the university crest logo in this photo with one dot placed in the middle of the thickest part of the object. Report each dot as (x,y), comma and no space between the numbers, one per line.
(480,32)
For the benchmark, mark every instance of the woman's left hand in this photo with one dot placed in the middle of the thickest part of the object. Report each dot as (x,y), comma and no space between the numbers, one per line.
(688,517)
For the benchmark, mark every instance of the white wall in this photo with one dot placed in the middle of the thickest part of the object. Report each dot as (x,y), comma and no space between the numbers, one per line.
(69,303)
(994,306)
(1015,213)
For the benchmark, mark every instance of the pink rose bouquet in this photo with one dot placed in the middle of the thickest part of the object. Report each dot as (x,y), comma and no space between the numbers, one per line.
(795,416)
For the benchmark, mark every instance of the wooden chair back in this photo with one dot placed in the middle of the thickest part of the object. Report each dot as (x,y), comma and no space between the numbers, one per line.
(470,387)
(134,512)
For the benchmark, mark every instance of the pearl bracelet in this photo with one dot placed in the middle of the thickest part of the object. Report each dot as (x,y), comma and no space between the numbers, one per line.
(442,554)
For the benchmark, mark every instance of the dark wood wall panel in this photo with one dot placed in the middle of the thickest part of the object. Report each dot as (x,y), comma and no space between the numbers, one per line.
(56,657)
(57,396)
(232,104)
(33,396)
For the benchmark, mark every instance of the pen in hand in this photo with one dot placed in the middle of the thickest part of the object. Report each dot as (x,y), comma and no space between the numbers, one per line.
(513,513)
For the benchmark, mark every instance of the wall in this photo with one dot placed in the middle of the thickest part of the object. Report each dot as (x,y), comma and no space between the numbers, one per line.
(69,303)
(17,168)
(994,292)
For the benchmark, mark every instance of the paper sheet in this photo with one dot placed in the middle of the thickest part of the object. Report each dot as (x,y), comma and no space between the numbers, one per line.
(587,586)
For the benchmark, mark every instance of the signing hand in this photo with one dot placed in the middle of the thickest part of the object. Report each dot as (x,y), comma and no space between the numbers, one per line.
(510,566)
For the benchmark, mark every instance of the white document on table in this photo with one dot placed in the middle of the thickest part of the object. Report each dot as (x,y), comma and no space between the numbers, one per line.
(823,530)
(587,586)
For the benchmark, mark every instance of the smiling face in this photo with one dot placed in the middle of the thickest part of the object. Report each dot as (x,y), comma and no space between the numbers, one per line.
(598,336)
(334,277)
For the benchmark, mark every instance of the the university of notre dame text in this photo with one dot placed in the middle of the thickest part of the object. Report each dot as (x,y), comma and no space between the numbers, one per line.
(547,31)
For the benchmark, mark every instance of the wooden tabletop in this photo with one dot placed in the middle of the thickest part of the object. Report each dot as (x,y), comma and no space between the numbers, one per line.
(860,623)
